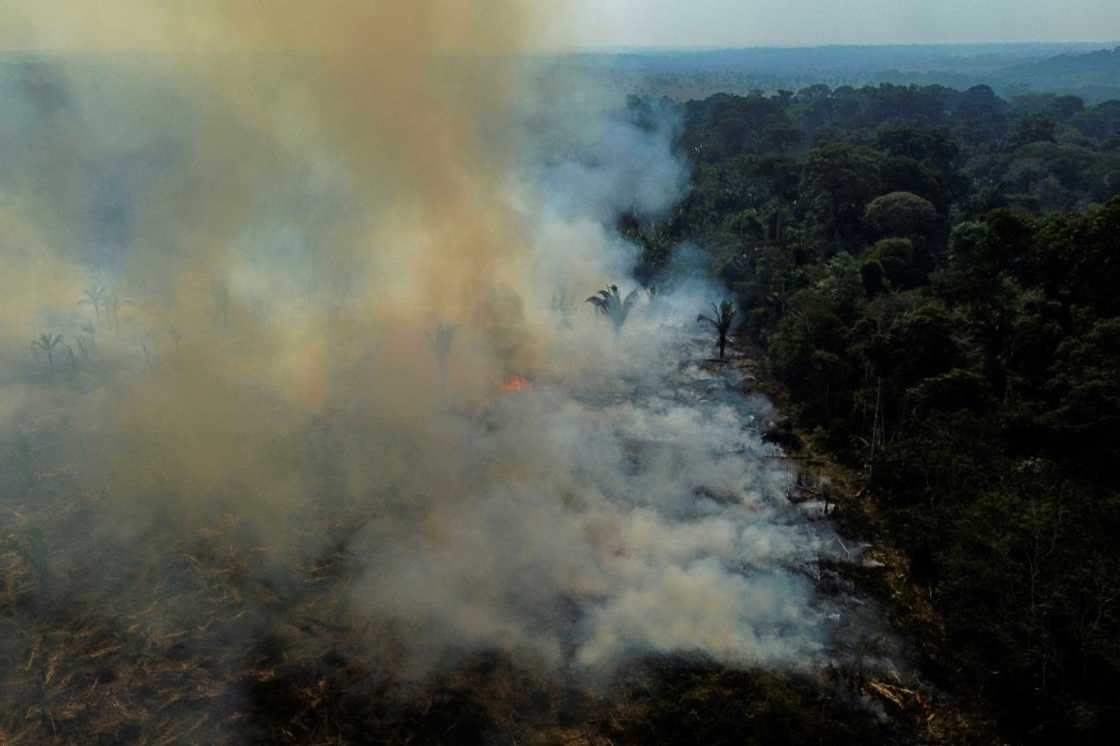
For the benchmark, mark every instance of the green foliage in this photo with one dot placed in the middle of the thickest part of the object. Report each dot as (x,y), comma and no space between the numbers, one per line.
(896,259)
(1085,384)
(939,297)
(839,181)
(1030,584)
(957,390)
(1033,128)
(901,214)
(934,146)
(610,303)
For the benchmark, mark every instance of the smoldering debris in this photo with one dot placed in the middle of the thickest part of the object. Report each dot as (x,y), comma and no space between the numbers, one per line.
(584,541)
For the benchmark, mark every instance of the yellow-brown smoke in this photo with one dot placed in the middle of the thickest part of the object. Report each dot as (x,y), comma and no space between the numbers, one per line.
(403,108)
(295,203)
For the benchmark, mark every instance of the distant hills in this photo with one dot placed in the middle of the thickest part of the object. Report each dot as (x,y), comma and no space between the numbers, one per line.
(1093,75)
(1091,71)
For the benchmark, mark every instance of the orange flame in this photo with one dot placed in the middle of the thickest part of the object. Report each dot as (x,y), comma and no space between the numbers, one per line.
(515,383)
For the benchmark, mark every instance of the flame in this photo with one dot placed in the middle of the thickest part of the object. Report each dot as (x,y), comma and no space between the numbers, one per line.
(515,383)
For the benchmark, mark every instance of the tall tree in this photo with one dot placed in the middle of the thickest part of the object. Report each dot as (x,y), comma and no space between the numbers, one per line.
(95,296)
(839,181)
(610,303)
(47,342)
(721,320)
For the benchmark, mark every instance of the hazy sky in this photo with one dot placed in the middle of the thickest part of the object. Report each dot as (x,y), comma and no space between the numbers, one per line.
(809,22)
(114,24)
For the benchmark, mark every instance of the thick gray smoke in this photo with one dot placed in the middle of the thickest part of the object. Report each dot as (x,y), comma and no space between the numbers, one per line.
(595,163)
(307,349)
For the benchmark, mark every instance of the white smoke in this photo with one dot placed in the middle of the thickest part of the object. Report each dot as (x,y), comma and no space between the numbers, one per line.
(635,526)
(625,504)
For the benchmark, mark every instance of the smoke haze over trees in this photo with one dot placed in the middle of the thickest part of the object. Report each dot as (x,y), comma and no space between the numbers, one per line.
(932,273)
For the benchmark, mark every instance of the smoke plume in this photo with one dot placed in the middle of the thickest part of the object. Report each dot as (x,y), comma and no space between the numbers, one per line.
(316,242)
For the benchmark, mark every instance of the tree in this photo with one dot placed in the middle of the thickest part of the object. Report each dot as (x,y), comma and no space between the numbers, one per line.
(934,146)
(112,304)
(1033,129)
(47,343)
(895,256)
(1085,379)
(902,214)
(611,304)
(815,92)
(905,174)
(94,295)
(839,181)
(721,320)
(981,116)
(783,137)
(807,350)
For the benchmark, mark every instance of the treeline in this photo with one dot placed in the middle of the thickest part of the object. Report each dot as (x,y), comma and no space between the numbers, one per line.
(935,276)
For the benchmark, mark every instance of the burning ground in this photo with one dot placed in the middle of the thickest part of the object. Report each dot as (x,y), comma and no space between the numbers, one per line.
(317,441)
(601,527)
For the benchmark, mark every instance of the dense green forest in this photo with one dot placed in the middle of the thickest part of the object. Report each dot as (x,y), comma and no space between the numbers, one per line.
(934,276)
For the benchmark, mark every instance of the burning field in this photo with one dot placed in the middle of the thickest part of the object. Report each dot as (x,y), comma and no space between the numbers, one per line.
(317,440)
(593,525)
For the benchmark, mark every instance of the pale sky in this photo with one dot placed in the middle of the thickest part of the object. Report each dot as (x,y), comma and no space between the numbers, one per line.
(700,23)
(138,25)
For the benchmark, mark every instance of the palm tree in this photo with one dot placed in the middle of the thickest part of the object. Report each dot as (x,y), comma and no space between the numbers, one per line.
(47,342)
(721,321)
(112,304)
(95,296)
(611,304)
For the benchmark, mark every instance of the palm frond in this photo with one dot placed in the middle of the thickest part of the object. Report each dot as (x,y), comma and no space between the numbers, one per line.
(611,304)
(721,320)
